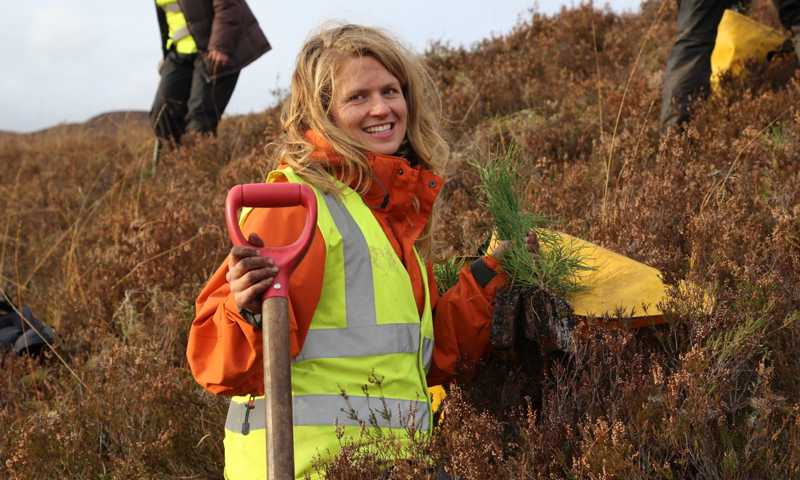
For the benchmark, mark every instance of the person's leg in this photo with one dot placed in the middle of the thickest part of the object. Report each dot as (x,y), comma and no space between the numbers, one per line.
(789,13)
(208,99)
(689,65)
(167,115)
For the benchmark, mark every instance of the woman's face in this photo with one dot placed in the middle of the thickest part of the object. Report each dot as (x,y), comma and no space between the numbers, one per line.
(369,105)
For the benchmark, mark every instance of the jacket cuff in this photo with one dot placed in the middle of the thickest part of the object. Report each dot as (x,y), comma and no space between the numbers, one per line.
(233,312)
(484,270)
(254,319)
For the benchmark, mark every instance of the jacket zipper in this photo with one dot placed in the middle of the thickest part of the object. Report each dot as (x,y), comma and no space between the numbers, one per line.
(251,404)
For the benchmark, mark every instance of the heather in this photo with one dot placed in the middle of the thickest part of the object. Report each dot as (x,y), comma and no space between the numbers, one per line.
(113,259)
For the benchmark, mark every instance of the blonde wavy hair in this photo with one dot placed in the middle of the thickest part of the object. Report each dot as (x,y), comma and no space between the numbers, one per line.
(311,99)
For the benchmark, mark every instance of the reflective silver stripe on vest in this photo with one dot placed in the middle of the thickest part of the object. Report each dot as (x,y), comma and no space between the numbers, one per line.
(322,410)
(359,291)
(427,353)
(362,336)
(172,7)
(180,33)
(360,341)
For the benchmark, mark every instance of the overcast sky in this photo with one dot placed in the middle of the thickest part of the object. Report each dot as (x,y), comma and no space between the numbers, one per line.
(68,60)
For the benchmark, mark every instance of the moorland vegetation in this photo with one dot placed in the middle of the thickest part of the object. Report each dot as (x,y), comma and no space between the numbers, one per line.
(113,259)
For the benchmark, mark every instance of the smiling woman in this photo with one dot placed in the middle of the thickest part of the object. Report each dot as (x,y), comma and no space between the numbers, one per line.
(370,105)
(362,129)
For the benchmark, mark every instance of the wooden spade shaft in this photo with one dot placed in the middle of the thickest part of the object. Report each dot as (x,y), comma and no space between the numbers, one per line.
(275,311)
(278,388)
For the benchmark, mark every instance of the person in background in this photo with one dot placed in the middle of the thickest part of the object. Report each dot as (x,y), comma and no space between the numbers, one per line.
(689,64)
(205,44)
(368,329)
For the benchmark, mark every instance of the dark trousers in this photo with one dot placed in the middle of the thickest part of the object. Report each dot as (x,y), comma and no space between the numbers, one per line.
(187,98)
(689,65)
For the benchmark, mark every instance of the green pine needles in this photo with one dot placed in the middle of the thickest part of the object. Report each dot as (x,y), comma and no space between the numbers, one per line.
(447,273)
(556,267)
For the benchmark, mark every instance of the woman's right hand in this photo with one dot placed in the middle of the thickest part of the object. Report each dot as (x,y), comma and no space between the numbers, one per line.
(249,274)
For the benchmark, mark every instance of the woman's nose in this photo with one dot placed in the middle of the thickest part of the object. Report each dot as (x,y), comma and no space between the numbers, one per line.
(379,108)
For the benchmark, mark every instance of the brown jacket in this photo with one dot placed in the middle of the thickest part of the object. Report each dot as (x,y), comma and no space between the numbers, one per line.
(225,25)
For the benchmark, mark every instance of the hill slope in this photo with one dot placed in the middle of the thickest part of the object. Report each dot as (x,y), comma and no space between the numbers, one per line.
(114,261)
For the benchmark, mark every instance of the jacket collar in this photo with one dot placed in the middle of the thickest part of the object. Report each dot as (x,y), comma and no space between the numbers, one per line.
(394,185)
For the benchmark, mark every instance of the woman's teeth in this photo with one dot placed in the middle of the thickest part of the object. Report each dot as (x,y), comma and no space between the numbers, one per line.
(378,128)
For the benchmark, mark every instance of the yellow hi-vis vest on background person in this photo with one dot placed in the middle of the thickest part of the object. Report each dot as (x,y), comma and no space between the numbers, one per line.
(179,34)
(366,334)
(741,39)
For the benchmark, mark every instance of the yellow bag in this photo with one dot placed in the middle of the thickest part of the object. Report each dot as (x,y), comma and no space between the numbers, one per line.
(741,39)
(616,285)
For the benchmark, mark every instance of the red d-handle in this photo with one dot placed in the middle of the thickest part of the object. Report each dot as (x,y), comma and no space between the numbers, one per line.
(274,195)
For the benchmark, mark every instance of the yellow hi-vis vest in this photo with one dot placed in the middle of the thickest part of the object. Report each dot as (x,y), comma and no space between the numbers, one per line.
(179,34)
(366,355)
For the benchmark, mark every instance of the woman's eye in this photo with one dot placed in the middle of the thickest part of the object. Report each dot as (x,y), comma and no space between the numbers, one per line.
(391,91)
(355,97)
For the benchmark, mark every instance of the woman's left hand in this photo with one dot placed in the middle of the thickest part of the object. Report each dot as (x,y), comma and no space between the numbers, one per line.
(531,241)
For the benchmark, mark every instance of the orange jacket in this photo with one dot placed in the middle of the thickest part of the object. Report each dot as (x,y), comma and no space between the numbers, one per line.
(224,351)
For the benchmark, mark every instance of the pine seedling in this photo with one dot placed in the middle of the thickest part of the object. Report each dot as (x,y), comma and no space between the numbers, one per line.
(556,267)
(447,273)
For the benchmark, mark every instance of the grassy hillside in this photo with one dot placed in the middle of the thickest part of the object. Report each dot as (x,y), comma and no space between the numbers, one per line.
(114,261)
